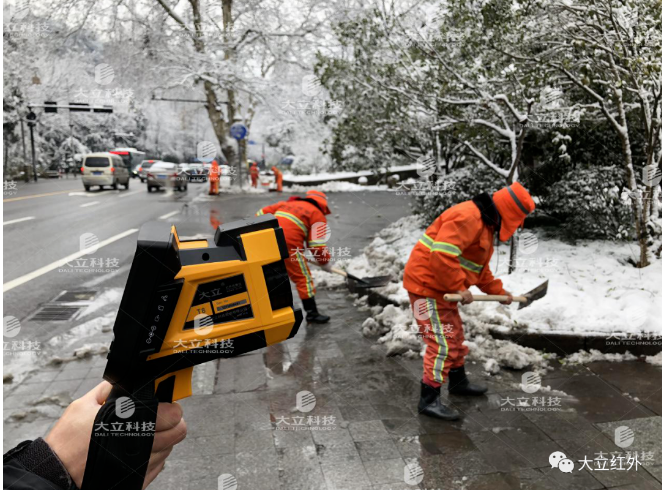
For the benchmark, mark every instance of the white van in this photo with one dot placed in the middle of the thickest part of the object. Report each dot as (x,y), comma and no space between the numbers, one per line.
(104,169)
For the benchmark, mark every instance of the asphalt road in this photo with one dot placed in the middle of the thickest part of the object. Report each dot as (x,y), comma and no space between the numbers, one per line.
(43,224)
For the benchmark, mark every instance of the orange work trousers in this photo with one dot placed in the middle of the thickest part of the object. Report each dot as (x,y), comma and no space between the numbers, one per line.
(297,269)
(254,180)
(441,328)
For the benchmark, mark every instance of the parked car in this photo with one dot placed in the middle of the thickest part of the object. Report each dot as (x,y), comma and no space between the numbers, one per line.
(225,182)
(196,172)
(145,165)
(52,172)
(104,169)
(167,174)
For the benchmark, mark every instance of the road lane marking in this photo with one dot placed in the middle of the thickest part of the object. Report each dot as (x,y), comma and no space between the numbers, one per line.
(88,204)
(169,215)
(33,196)
(28,218)
(59,263)
(124,194)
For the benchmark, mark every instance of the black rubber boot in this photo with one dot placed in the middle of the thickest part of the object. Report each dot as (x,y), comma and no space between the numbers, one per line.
(458,384)
(312,315)
(430,404)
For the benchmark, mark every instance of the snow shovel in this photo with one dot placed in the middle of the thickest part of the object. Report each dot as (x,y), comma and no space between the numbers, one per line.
(362,283)
(524,301)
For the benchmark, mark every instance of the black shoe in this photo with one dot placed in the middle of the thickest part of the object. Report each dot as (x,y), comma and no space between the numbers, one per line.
(430,404)
(458,384)
(312,315)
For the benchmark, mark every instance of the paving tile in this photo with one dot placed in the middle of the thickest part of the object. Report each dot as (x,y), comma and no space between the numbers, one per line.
(254,440)
(378,449)
(385,470)
(333,437)
(18,401)
(506,455)
(30,389)
(338,453)
(257,469)
(551,479)
(358,413)
(390,411)
(437,467)
(403,427)
(368,431)
(647,433)
(345,476)
(67,387)
(299,469)
(65,375)
(41,377)
(293,438)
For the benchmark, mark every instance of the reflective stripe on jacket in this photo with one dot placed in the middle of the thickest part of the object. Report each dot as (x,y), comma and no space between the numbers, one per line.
(453,254)
(297,218)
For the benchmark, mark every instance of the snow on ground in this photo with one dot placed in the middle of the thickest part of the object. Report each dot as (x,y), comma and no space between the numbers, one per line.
(592,291)
(303,179)
(335,186)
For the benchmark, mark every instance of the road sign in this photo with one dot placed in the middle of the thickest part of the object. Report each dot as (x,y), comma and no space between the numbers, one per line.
(238,131)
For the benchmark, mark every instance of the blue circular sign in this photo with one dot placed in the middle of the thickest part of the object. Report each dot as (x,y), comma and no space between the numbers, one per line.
(238,131)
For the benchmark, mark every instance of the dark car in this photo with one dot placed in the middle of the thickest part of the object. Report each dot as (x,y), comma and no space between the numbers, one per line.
(196,172)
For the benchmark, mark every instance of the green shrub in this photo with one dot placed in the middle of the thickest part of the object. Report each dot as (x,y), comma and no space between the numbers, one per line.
(591,203)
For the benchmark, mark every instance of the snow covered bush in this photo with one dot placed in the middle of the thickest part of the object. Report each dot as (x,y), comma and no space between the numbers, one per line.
(458,186)
(592,203)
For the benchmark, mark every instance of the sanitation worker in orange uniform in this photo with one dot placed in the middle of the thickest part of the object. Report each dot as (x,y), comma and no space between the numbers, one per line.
(452,255)
(279,178)
(255,172)
(303,220)
(214,178)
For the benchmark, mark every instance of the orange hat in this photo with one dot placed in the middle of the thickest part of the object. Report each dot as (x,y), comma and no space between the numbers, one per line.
(320,198)
(514,203)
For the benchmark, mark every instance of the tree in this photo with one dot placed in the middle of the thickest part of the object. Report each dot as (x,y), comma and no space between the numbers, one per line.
(610,50)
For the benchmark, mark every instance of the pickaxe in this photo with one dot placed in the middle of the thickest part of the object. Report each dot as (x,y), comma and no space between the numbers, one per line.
(524,301)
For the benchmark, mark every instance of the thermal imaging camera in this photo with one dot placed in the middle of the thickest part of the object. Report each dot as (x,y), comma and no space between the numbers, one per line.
(186,302)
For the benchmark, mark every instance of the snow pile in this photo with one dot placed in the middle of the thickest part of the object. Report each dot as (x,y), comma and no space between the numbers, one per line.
(583,357)
(600,293)
(336,186)
(398,331)
(590,293)
(329,176)
(655,360)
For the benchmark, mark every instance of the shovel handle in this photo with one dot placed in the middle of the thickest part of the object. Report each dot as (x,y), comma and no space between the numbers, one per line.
(341,272)
(455,298)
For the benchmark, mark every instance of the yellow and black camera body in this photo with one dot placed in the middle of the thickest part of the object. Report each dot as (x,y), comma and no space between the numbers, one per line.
(189,302)
(186,303)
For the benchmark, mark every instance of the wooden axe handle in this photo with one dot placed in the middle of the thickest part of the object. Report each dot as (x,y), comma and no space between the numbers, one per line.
(454,298)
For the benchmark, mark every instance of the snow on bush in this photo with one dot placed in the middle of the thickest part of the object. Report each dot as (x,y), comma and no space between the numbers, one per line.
(459,186)
(592,203)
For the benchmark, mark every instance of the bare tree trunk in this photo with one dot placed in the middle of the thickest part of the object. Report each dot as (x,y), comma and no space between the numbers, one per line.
(218,123)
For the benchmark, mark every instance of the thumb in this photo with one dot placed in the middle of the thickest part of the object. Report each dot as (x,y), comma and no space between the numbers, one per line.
(100,392)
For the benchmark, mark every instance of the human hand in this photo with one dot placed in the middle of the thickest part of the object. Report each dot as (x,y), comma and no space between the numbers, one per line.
(70,437)
(509,300)
(467,297)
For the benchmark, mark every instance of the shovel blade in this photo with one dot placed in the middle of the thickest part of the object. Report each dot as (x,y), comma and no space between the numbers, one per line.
(536,293)
(367,282)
